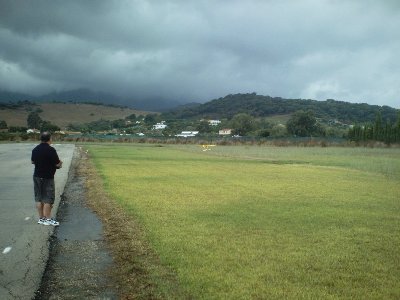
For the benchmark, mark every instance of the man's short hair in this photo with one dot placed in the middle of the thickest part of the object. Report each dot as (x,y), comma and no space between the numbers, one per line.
(45,136)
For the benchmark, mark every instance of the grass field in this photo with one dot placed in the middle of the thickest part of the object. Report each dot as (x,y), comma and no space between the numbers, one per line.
(240,222)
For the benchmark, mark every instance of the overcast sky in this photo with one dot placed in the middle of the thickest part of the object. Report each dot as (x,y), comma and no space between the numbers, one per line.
(195,50)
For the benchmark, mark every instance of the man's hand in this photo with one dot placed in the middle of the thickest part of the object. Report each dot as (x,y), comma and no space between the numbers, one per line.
(59,165)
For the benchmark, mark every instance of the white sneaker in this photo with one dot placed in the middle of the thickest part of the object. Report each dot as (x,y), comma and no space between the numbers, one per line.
(51,222)
(42,221)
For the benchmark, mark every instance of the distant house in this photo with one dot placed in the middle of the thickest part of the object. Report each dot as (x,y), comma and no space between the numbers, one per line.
(160,125)
(225,131)
(34,130)
(214,122)
(187,133)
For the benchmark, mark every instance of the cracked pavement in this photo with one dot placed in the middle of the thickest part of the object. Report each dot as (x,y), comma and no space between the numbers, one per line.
(24,244)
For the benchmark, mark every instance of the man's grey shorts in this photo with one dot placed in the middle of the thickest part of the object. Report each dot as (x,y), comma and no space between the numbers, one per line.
(44,190)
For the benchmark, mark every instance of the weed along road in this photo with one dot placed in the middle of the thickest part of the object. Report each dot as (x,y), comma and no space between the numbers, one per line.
(24,244)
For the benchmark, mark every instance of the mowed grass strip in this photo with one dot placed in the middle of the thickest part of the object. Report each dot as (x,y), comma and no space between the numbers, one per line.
(234,227)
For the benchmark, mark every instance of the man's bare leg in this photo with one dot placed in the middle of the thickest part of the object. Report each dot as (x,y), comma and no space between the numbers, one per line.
(40,206)
(47,210)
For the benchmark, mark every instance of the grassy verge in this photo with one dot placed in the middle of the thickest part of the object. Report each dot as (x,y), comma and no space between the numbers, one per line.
(137,272)
(259,222)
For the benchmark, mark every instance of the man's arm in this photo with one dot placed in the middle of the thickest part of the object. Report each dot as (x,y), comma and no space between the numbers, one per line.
(32,159)
(59,165)
(56,160)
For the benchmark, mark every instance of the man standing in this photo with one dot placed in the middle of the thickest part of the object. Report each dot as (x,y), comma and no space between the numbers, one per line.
(46,161)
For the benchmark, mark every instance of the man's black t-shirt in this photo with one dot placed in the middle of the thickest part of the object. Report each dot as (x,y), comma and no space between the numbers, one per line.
(45,159)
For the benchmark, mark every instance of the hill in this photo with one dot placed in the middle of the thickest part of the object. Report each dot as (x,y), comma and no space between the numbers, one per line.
(266,106)
(89,96)
(62,114)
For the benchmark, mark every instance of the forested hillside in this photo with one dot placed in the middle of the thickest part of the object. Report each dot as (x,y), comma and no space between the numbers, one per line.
(263,106)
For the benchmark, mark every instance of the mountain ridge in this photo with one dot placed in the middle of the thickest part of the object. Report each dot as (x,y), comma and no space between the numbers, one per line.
(84,95)
(223,107)
(266,106)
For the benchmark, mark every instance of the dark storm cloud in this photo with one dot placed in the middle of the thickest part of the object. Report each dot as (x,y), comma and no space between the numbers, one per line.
(198,50)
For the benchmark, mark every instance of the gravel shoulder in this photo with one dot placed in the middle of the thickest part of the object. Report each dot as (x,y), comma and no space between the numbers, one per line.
(79,261)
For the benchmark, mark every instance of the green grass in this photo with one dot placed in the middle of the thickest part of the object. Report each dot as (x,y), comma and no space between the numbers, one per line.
(264,222)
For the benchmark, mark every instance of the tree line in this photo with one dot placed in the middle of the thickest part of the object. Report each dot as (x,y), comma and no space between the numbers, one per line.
(300,124)
(383,131)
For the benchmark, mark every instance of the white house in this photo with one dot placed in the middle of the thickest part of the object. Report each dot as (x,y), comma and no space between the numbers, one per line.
(225,131)
(160,125)
(33,131)
(187,133)
(214,122)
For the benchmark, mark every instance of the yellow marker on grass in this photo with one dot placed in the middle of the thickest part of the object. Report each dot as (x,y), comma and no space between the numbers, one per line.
(207,147)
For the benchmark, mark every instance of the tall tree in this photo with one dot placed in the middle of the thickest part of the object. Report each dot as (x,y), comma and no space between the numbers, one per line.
(150,119)
(47,126)
(378,127)
(204,127)
(34,120)
(303,123)
(131,117)
(242,124)
(3,124)
(397,128)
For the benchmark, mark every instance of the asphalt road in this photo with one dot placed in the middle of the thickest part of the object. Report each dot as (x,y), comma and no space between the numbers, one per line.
(24,244)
